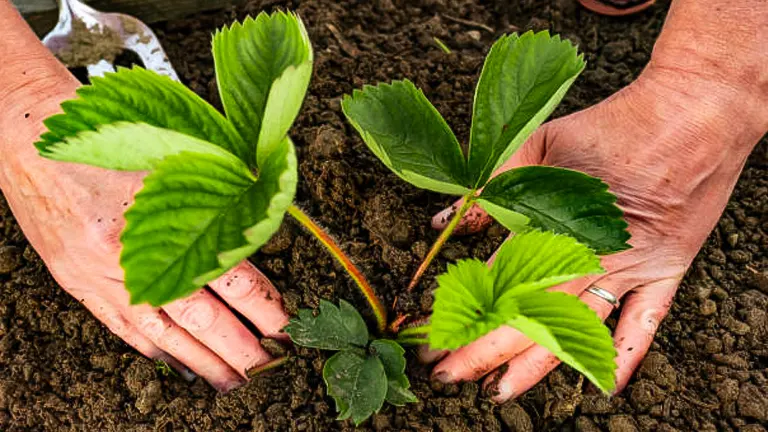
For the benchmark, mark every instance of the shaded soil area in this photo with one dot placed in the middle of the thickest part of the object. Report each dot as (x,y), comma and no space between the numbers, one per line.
(60,370)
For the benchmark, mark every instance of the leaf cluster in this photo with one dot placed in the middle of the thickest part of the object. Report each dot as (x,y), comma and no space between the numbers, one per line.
(523,80)
(218,186)
(562,218)
(472,299)
(361,376)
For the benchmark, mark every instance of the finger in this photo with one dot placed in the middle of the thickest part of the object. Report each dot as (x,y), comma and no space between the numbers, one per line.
(114,320)
(642,313)
(247,290)
(428,355)
(523,372)
(532,365)
(492,350)
(475,220)
(214,325)
(158,327)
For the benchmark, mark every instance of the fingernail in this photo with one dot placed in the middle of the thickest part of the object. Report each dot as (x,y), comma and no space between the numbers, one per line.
(441,219)
(444,377)
(504,392)
(187,374)
(229,386)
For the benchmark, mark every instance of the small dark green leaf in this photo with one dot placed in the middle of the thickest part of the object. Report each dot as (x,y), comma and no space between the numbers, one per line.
(332,329)
(564,201)
(406,132)
(524,78)
(392,356)
(357,383)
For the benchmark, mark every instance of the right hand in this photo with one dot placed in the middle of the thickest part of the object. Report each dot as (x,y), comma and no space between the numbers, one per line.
(672,159)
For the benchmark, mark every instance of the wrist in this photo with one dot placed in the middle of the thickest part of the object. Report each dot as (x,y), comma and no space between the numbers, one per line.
(726,115)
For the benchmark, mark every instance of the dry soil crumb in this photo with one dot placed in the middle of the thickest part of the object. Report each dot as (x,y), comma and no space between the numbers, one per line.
(90,45)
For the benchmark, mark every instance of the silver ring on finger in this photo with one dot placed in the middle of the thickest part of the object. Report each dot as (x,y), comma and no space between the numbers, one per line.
(604,294)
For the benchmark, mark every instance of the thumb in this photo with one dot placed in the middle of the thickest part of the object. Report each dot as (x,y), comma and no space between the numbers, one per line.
(476,219)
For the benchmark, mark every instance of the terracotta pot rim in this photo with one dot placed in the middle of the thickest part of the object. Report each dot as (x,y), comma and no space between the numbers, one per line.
(605,8)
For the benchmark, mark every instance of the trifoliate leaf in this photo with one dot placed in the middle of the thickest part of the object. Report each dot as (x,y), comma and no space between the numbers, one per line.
(197,216)
(560,200)
(523,79)
(404,130)
(128,147)
(140,96)
(392,356)
(334,328)
(463,309)
(471,299)
(263,67)
(357,383)
(567,327)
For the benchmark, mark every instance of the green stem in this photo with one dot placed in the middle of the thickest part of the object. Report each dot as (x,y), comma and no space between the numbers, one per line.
(414,331)
(378,309)
(469,199)
(412,341)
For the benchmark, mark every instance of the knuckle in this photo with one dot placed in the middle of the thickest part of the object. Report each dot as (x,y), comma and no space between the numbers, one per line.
(235,286)
(115,322)
(197,314)
(153,324)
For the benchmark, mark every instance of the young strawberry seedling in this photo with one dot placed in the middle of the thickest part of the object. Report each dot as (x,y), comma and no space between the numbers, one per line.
(562,218)
(218,186)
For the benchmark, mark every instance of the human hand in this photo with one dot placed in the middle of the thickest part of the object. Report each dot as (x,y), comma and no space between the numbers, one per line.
(667,148)
(73,215)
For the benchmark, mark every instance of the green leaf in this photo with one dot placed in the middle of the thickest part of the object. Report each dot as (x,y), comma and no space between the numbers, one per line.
(523,79)
(564,201)
(567,327)
(392,356)
(332,329)
(128,147)
(140,96)
(471,300)
(263,67)
(357,383)
(463,309)
(192,207)
(406,132)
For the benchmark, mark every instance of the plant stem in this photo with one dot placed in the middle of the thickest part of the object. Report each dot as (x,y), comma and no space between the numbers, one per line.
(469,199)
(423,329)
(272,364)
(378,308)
(412,341)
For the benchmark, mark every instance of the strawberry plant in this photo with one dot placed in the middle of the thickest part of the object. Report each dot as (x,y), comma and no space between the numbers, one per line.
(562,218)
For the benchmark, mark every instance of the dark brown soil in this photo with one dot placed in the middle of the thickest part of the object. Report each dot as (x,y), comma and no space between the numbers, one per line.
(707,370)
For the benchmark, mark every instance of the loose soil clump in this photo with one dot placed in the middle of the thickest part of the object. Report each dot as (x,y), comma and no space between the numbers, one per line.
(707,371)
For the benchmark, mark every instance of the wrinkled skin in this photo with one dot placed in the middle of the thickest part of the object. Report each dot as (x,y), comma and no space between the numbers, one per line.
(668,148)
(73,215)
